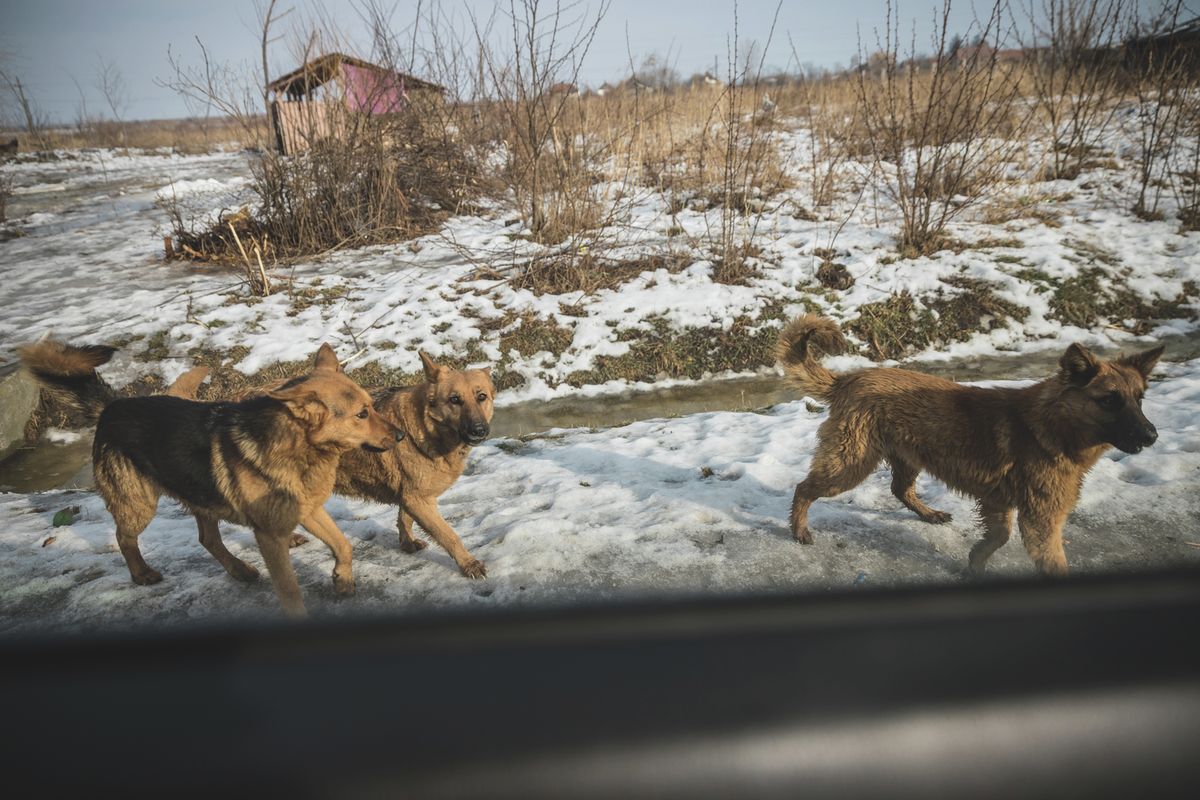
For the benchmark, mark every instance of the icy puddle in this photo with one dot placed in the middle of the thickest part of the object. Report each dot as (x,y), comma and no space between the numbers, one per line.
(667,506)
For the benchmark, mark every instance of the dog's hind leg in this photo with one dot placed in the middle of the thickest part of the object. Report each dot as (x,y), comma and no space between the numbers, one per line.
(904,487)
(133,501)
(210,537)
(836,467)
(408,542)
(274,548)
(997,527)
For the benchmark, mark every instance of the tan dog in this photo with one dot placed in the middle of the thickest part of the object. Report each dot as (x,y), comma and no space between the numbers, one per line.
(268,463)
(1025,450)
(443,419)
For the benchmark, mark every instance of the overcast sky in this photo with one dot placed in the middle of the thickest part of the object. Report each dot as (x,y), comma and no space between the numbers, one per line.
(52,44)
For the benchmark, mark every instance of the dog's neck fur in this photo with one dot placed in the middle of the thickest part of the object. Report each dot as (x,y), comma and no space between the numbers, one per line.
(287,449)
(1053,427)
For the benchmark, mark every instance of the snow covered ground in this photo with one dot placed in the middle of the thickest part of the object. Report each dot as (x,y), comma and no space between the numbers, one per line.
(696,504)
(574,514)
(89,267)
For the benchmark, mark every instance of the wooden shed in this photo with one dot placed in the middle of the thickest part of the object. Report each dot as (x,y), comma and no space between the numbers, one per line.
(315,100)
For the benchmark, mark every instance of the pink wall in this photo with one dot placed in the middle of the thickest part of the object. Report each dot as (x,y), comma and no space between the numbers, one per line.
(373,92)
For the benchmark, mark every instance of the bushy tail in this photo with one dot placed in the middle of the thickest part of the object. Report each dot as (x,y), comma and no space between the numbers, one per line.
(69,372)
(795,352)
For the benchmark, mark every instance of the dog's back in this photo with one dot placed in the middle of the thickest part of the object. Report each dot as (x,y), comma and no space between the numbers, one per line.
(175,442)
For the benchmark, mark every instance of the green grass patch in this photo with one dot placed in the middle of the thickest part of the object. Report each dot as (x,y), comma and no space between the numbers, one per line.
(749,343)
(899,325)
(1094,297)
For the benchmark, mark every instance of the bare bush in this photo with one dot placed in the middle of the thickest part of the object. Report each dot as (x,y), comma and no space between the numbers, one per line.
(5,193)
(746,157)
(1162,82)
(1185,178)
(31,115)
(1075,77)
(942,130)
(533,80)
(830,109)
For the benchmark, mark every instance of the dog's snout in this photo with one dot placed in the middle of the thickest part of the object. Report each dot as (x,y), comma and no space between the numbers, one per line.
(1150,434)
(480,429)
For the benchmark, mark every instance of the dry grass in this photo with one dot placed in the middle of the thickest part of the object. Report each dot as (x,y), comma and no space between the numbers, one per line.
(187,136)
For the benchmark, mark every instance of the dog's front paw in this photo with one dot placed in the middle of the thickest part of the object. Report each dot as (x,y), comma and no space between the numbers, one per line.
(803,536)
(147,577)
(343,583)
(297,539)
(413,545)
(473,569)
(937,517)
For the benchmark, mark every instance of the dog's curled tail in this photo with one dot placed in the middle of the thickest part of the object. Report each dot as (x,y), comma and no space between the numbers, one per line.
(795,352)
(69,372)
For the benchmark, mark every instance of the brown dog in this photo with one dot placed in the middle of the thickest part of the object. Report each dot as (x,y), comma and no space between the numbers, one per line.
(1024,450)
(443,418)
(267,463)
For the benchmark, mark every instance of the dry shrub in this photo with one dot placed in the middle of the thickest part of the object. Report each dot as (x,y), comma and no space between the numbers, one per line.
(386,179)
(1185,178)
(837,133)
(5,193)
(1074,78)
(1162,80)
(935,125)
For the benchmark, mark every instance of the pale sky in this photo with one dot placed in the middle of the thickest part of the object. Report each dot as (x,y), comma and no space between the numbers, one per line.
(47,42)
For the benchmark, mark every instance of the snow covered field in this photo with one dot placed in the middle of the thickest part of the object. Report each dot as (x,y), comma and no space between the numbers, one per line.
(89,267)
(693,504)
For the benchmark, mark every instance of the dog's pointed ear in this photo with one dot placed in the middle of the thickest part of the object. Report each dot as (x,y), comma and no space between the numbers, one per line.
(1079,365)
(433,370)
(187,385)
(303,404)
(327,360)
(1144,361)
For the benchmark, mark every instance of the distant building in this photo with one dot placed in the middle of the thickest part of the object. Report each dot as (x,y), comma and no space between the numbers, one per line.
(1181,44)
(311,102)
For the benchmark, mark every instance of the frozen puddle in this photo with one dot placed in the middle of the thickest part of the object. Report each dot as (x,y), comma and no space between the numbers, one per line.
(693,504)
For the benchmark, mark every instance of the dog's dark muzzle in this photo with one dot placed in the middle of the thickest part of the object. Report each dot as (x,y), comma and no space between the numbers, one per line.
(474,434)
(1140,440)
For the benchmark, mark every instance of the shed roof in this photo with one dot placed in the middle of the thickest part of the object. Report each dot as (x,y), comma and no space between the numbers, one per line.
(322,69)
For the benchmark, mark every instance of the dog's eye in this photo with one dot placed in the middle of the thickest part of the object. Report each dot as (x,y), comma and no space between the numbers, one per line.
(481,397)
(1111,400)
(366,412)
(456,400)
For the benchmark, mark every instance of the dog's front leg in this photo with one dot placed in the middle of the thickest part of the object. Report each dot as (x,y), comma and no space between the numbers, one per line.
(425,511)
(274,549)
(1041,531)
(321,525)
